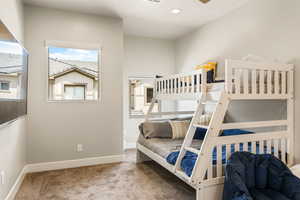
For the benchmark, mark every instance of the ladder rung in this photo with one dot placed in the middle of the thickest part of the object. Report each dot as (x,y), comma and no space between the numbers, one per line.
(182,174)
(200,126)
(193,150)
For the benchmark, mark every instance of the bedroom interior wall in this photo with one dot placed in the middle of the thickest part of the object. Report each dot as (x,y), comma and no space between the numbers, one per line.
(144,57)
(12,136)
(55,128)
(268,28)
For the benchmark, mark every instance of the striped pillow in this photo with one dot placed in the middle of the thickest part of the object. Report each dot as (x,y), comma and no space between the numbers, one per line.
(179,128)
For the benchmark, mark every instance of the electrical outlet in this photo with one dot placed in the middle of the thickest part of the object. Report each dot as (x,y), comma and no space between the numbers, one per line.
(79,147)
(2,177)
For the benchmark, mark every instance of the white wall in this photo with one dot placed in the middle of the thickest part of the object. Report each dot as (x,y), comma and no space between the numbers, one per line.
(144,57)
(13,136)
(267,28)
(56,128)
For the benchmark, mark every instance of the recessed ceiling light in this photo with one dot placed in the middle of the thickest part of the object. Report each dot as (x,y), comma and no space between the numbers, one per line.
(176,11)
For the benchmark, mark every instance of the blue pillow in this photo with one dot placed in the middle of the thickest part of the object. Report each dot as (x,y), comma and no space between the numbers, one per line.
(200,133)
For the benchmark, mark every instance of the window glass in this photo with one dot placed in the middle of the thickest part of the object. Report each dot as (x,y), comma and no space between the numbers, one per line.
(73,74)
(75,92)
(13,75)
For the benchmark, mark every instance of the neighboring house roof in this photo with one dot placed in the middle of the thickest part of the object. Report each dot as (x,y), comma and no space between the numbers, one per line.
(7,59)
(61,67)
(73,69)
(11,69)
(10,64)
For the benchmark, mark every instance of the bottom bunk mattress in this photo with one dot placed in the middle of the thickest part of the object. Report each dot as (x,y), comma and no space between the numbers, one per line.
(169,150)
(165,146)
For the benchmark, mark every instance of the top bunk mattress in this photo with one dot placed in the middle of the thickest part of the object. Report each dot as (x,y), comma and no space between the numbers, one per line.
(165,146)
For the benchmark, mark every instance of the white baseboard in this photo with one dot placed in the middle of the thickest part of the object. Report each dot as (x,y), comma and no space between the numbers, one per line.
(130,145)
(15,188)
(39,167)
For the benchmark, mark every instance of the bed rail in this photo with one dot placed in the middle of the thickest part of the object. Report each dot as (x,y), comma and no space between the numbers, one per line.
(243,80)
(275,143)
(183,84)
(258,80)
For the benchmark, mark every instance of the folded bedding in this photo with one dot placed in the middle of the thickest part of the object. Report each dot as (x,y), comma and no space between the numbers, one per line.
(189,160)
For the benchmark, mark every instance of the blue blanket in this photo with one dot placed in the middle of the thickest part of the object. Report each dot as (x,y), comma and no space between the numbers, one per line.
(189,160)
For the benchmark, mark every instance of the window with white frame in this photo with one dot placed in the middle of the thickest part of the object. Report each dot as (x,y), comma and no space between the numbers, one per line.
(73,73)
(141,91)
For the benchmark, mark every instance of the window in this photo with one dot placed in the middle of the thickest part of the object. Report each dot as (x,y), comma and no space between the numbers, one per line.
(140,96)
(74,92)
(4,85)
(73,74)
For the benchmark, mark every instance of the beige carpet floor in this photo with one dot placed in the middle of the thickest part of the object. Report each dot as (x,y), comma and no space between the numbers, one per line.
(120,181)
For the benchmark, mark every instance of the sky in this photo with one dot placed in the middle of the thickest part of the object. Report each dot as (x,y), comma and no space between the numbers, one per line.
(73,54)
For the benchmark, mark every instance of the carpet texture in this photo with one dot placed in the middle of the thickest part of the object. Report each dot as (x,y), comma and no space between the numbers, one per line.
(120,181)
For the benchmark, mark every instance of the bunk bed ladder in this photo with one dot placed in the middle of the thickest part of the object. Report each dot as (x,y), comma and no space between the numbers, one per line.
(205,155)
(212,130)
(189,136)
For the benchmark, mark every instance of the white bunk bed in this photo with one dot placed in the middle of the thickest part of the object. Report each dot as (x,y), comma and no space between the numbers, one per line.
(243,81)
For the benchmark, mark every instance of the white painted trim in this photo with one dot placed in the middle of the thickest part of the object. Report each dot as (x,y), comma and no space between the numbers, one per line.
(129,145)
(48,166)
(15,188)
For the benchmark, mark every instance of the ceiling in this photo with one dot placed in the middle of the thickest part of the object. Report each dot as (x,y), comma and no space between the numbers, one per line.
(149,19)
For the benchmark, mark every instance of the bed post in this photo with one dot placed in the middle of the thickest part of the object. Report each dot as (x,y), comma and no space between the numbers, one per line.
(199,194)
(290,117)
(228,77)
